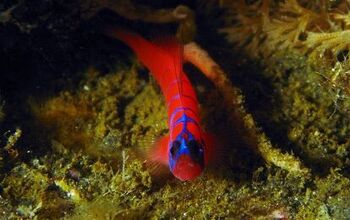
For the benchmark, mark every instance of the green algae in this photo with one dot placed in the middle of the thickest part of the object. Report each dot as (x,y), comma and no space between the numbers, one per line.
(101,178)
(313,118)
(327,199)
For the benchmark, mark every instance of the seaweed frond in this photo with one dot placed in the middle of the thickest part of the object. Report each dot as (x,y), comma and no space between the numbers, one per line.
(285,29)
(246,31)
(345,18)
(334,42)
(267,26)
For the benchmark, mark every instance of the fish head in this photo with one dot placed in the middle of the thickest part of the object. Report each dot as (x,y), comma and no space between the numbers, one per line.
(186,158)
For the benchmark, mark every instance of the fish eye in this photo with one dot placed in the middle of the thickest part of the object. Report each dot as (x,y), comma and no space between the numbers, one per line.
(194,147)
(175,147)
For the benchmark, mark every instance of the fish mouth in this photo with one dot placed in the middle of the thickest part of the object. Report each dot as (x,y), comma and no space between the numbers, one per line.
(186,169)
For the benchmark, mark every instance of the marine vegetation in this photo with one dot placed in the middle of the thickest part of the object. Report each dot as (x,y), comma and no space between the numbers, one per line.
(319,31)
(263,27)
(78,111)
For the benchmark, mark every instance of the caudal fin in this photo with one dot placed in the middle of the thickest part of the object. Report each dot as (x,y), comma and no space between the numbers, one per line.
(161,57)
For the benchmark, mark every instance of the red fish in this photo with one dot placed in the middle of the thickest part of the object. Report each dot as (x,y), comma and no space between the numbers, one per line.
(187,149)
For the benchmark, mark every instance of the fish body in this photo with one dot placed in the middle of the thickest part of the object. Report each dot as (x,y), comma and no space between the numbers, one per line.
(186,148)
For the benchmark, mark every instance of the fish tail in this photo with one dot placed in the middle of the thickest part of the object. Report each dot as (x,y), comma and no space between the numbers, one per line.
(164,57)
(130,38)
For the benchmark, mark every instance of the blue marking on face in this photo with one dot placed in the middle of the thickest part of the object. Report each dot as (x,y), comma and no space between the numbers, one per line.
(185,143)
